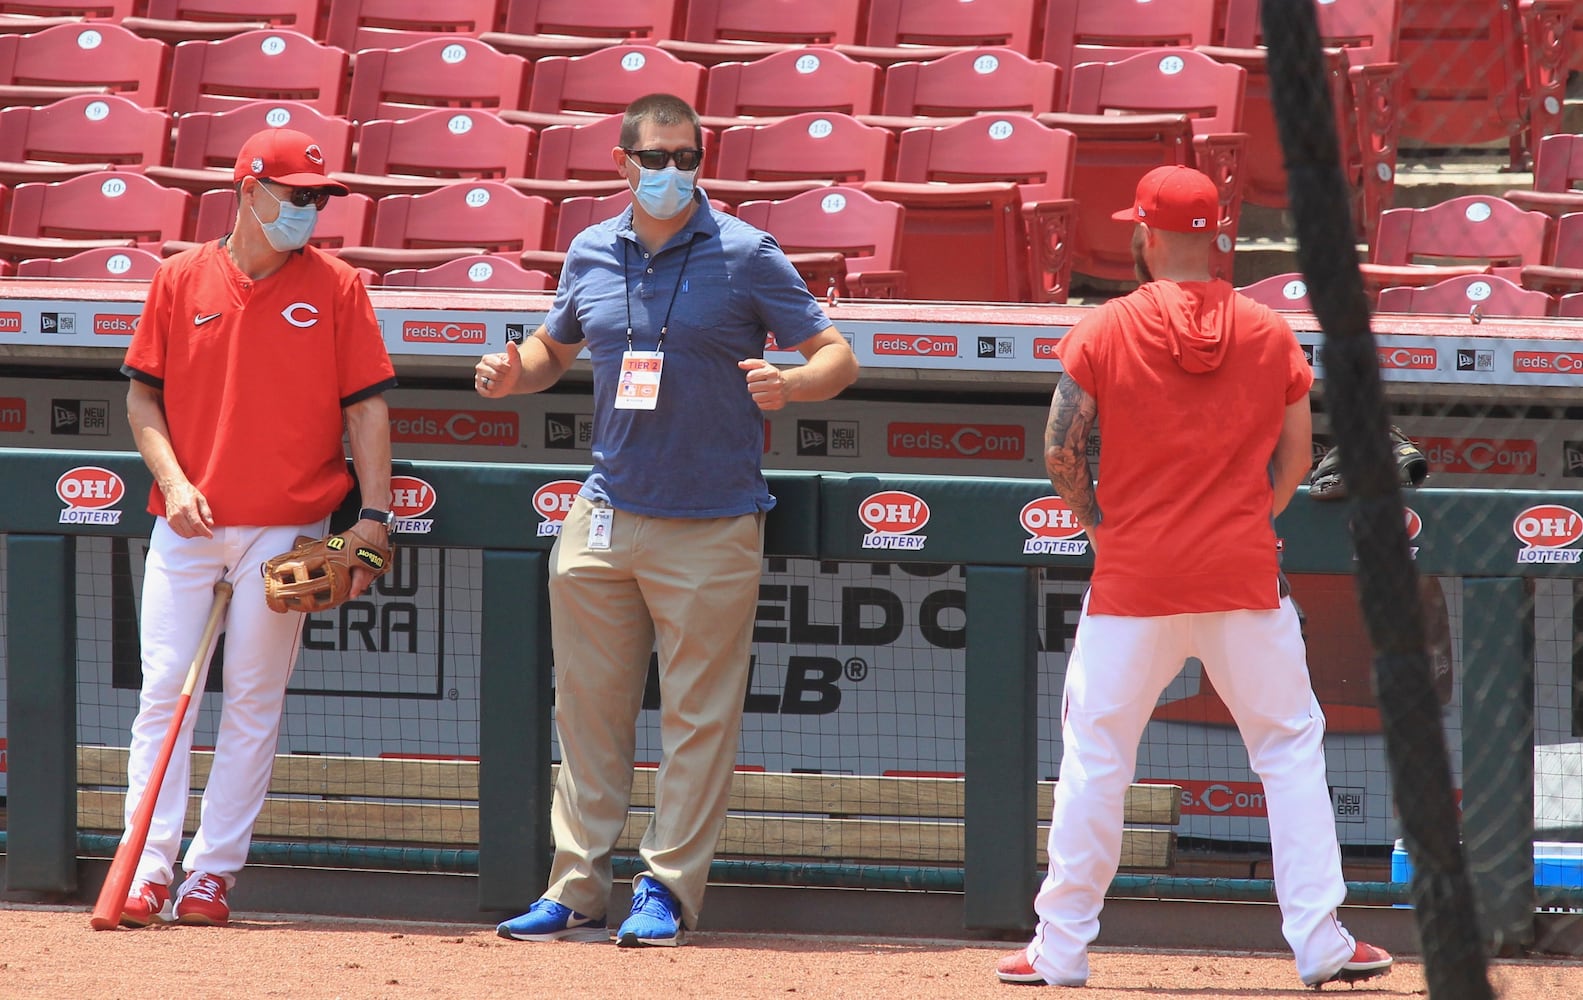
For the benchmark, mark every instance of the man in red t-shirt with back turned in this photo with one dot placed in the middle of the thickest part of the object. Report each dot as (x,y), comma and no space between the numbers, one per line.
(1201,396)
(253,354)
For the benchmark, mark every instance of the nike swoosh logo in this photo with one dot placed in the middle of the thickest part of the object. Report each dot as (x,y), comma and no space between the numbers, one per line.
(200,320)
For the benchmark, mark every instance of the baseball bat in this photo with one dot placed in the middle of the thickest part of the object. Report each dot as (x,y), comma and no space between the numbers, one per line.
(118,880)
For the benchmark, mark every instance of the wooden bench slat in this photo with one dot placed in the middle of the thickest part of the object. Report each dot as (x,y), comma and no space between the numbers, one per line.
(803,838)
(751,791)
(891,820)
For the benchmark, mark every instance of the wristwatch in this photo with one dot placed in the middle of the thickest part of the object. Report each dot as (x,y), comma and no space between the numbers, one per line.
(385,517)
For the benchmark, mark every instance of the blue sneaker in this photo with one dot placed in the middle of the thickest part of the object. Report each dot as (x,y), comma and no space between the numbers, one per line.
(656,916)
(548,920)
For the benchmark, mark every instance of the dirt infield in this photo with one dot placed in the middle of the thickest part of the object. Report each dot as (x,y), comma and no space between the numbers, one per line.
(49,952)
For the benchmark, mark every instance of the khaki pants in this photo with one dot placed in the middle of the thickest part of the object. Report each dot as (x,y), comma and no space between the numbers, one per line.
(693,585)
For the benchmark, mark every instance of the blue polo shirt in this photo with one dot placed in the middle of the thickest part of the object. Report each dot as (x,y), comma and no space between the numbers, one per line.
(698,453)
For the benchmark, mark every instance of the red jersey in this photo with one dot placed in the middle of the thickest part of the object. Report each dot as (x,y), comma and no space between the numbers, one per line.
(254,376)
(1192,382)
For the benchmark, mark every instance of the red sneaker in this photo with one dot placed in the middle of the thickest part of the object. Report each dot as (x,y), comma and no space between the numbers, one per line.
(1367,962)
(203,902)
(1013,967)
(148,903)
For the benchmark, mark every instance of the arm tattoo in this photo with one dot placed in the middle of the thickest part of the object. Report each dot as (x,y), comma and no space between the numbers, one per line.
(1072,416)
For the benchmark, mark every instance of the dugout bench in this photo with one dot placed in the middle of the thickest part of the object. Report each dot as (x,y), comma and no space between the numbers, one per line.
(973,524)
(772,817)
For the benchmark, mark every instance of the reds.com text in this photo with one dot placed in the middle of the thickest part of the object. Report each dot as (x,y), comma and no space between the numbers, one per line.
(1554,362)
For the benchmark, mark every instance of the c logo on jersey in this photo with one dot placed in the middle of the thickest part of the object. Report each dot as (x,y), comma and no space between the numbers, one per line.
(289,314)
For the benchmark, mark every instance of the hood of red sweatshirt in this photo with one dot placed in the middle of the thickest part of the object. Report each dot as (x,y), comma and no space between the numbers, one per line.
(1198,320)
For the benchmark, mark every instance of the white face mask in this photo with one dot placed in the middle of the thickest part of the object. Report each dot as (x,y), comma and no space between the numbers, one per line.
(292,228)
(664,193)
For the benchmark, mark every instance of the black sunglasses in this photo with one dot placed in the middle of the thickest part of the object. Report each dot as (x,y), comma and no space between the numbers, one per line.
(686,160)
(303,197)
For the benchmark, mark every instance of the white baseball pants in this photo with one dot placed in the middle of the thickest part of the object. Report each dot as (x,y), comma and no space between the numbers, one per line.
(260,651)
(1117,670)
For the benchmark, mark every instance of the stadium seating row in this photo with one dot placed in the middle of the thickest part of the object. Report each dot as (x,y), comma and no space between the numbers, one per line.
(1093,157)
(1476,296)
(1472,70)
(1195,109)
(1474,253)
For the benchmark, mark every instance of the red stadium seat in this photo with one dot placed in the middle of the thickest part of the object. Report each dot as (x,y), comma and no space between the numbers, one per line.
(843,240)
(537,28)
(92,57)
(122,263)
(207,142)
(465,218)
(176,21)
(1558,176)
(806,146)
(1561,272)
(438,73)
(108,208)
(954,183)
(272,65)
(344,221)
(970,82)
(807,150)
(1360,38)
(1283,292)
(910,30)
(790,82)
(574,161)
(1467,295)
(1480,71)
(575,215)
(490,271)
(604,82)
(1571,306)
(1113,153)
(720,31)
(79,135)
(355,25)
(1469,234)
(1079,31)
(430,150)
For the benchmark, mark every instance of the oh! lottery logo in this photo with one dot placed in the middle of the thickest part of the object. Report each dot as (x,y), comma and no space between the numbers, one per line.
(1546,531)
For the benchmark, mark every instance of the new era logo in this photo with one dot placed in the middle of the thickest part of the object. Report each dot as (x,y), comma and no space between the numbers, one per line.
(79,416)
(1475,361)
(827,438)
(997,347)
(568,430)
(1572,459)
(516,332)
(57,322)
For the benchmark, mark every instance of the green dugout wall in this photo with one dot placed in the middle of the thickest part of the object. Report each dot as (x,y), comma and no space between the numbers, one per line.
(999,530)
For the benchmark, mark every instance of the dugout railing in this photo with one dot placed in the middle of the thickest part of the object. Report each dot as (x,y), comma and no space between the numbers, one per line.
(972,522)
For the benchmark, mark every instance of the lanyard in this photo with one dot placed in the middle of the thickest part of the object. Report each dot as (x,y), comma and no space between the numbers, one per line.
(665,324)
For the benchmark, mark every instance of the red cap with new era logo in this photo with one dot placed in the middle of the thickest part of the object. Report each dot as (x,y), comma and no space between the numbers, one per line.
(285,156)
(1176,199)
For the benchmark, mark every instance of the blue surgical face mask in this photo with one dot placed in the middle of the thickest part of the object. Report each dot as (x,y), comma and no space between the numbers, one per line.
(292,228)
(664,193)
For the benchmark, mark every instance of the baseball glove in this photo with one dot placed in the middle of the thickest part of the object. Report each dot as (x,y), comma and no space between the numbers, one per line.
(1411,466)
(317,573)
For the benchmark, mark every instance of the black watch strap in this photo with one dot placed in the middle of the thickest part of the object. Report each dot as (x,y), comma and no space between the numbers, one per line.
(385,517)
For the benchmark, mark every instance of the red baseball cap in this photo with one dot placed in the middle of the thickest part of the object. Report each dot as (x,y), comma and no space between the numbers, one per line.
(1175,198)
(285,156)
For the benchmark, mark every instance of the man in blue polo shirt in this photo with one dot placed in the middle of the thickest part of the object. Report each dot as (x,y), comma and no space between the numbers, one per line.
(666,538)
